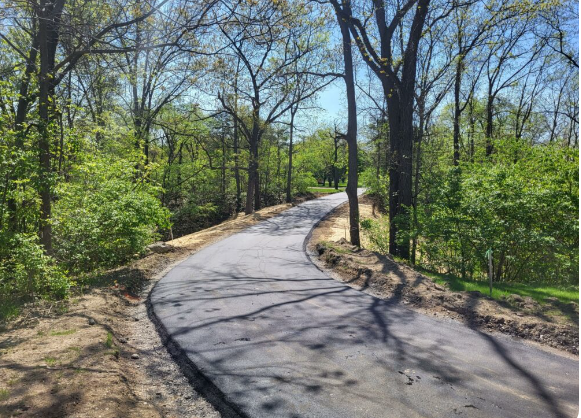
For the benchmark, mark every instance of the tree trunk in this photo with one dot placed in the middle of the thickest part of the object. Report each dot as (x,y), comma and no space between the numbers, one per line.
(457,111)
(251,183)
(351,136)
(489,127)
(21,111)
(253,191)
(400,107)
(236,156)
(290,158)
(49,24)
(257,204)
(421,111)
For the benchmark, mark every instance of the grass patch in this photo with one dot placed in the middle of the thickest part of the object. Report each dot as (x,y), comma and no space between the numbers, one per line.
(50,361)
(109,340)
(328,190)
(335,248)
(499,290)
(66,332)
(4,394)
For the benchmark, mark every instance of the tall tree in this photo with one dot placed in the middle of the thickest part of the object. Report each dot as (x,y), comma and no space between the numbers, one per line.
(351,135)
(397,74)
(270,40)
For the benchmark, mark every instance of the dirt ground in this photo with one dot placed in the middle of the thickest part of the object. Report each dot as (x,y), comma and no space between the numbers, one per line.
(552,324)
(97,354)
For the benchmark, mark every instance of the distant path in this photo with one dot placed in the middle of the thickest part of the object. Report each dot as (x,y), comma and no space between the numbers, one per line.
(275,337)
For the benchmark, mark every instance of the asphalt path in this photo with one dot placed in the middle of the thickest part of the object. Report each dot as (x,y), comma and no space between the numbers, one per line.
(265,333)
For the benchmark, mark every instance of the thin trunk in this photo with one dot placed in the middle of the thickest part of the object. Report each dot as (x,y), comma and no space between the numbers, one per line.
(237,168)
(290,158)
(24,100)
(472,122)
(253,191)
(335,161)
(351,135)
(223,173)
(457,110)
(417,182)
(489,126)
(257,204)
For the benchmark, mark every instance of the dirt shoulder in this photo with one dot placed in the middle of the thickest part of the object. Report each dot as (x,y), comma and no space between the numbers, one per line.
(98,354)
(550,324)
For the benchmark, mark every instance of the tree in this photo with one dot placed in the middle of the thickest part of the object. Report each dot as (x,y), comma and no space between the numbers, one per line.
(351,135)
(270,40)
(397,76)
(44,40)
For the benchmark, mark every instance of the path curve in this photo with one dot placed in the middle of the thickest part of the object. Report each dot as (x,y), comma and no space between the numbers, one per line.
(270,335)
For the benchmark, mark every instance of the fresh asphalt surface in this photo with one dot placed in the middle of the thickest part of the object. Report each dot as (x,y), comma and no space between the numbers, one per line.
(276,337)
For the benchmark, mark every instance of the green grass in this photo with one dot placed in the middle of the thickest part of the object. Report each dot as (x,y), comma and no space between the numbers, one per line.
(499,290)
(50,361)
(66,332)
(4,394)
(326,190)
(109,340)
(335,247)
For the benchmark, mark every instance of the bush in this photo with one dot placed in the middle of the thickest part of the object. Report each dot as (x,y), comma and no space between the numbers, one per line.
(192,217)
(377,231)
(103,217)
(302,181)
(523,206)
(25,270)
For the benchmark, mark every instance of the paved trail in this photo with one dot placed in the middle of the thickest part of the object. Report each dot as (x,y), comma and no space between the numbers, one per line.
(277,338)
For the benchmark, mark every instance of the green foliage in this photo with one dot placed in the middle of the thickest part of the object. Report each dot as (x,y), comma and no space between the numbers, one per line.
(303,181)
(377,231)
(109,340)
(104,217)
(376,185)
(538,292)
(193,216)
(523,205)
(26,270)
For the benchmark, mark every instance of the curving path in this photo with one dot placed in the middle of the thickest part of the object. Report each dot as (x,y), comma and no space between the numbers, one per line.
(264,333)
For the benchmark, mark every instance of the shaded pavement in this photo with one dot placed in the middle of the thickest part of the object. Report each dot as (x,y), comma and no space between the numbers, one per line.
(270,335)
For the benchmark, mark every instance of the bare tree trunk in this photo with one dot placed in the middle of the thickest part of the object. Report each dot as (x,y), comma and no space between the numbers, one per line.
(457,111)
(335,160)
(251,183)
(290,157)
(49,24)
(351,136)
(489,126)
(257,204)
(253,190)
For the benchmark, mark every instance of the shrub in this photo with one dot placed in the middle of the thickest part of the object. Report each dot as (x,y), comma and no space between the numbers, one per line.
(523,206)
(25,270)
(104,215)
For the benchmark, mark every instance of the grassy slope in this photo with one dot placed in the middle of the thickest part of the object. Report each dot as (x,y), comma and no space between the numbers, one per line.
(538,292)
